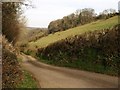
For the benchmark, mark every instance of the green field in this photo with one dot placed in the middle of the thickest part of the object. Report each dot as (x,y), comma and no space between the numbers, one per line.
(97,25)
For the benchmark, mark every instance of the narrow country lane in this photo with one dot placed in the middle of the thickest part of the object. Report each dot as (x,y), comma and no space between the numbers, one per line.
(60,77)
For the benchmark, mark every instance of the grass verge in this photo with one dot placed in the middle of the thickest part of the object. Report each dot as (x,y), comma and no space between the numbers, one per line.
(79,65)
(28,81)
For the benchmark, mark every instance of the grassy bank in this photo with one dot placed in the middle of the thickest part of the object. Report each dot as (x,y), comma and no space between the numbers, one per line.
(28,81)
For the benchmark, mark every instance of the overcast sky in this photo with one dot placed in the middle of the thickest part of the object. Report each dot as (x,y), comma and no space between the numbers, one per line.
(46,11)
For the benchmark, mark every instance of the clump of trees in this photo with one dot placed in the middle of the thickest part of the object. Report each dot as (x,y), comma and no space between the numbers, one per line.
(94,51)
(108,13)
(80,17)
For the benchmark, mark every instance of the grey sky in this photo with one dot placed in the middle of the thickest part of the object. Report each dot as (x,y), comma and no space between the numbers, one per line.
(49,10)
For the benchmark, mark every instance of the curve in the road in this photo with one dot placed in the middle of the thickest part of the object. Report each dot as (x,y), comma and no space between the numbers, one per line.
(60,77)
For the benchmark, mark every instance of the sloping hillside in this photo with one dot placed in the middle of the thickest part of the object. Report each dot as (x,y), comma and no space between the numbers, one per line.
(98,25)
(36,33)
(29,34)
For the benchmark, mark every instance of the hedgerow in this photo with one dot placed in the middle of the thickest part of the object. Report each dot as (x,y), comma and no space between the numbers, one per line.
(94,51)
(11,71)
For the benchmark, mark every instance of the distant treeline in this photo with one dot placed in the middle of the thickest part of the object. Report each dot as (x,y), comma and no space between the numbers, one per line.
(94,51)
(80,17)
(36,33)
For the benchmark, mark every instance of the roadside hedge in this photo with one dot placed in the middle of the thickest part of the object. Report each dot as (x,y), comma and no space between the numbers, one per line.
(94,51)
(11,71)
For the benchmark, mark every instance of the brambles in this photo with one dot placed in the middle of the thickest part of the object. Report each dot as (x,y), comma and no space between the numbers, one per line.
(11,71)
(11,74)
(95,51)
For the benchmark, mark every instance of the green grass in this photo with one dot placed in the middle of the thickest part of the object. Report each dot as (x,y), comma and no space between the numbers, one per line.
(19,60)
(81,65)
(98,25)
(28,81)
